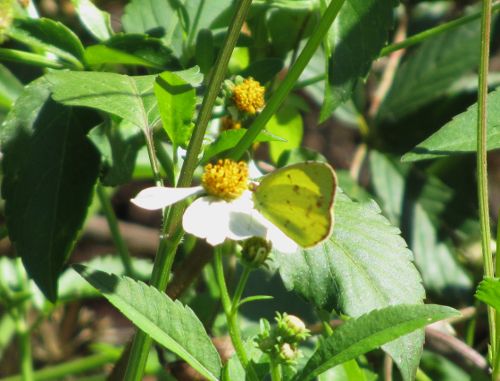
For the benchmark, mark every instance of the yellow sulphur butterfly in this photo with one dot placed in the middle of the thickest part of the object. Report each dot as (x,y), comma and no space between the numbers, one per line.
(298,199)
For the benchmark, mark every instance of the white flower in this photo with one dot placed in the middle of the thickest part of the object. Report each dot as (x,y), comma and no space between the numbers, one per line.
(225,211)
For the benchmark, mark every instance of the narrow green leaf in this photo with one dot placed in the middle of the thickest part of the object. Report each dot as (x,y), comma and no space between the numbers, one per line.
(459,135)
(130,98)
(205,50)
(361,30)
(129,49)
(286,123)
(431,69)
(50,169)
(488,292)
(96,21)
(177,103)
(365,265)
(169,322)
(10,88)
(365,333)
(49,35)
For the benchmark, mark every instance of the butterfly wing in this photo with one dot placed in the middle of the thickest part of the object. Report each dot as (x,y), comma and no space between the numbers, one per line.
(298,199)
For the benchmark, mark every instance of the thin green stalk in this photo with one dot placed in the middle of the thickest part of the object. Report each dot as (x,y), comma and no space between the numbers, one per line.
(121,247)
(165,161)
(74,367)
(25,349)
(172,232)
(232,323)
(240,288)
(289,82)
(482,170)
(29,58)
(421,376)
(432,32)
(275,371)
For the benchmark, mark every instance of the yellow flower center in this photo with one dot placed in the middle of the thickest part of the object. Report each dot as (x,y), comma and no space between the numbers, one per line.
(227,179)
(249,96)
(228,123)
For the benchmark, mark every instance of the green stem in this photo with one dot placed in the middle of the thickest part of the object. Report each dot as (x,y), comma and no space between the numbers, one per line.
(25,349)
(289,82)
(172,232)
(421,376)
(239,289)
(121,247)
(231,317)
(58,372)
(29,58)
(275,370)
(432,32)
(325,320)
(482,173)
(165,161)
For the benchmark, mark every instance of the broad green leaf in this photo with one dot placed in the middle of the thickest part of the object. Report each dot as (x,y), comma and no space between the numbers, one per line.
(205,50)
(177,103)
(97,22)
(10,88)
(459,136)
(228,139)
(168,322)
(203,13)
(157,18)
(299,155)
(130,98)
(287,124)
(50,36)
(119,144)
(429,71)
(367,332)
(129,49)
(425,199)
(365,265)
(361,30)
(488,292)
(50,169)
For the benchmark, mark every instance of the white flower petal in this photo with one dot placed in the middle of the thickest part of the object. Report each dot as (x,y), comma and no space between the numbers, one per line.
(280,240)
(207,218)
(160,197)
(244,220)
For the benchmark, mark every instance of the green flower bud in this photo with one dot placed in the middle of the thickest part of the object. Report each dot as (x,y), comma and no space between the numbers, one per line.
(255,251)
(288,353)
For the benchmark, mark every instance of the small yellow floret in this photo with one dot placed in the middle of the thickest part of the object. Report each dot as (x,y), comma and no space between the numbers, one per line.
(249,96)
(228,123)
(227,179)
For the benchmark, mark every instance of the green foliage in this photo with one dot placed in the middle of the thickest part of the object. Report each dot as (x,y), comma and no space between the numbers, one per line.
(367,332)
(176,102)
(50,170)
(10,88)
(287,124)
(430,70)
(459,135)
(97,22)
(356,276)
(170,323)
(488,292)
(356,42)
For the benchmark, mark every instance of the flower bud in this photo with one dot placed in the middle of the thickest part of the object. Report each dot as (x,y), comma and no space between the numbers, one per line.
(255,251)
(288,353)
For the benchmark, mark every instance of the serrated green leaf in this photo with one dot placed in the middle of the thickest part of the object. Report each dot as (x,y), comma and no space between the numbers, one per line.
(425,199)
(50,170)
(286,123)
(488,292)
(365,265)
(367,332)
(361,30)
(177,103)
(459,136)
(228,139)
(96,21)
(431,69)
(50,36)
(168,322)
(143,16)
(130,98)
